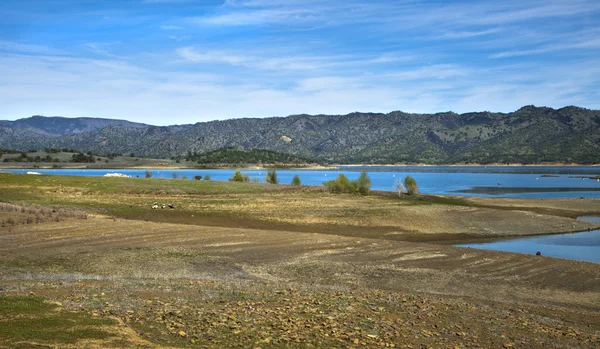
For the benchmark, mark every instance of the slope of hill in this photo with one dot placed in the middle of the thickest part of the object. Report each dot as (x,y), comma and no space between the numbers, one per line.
(231,155)
(56,125)
(528,135)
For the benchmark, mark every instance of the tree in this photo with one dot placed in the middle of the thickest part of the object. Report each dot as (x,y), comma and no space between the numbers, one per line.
(411,186)
(340,185)
(148,173)
(296,180)
(363,183)
(272,176)
(207,177)
(237,177)
(197,178)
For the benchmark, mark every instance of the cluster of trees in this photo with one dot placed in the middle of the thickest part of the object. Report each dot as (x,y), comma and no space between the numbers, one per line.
(270,178)
(59,150)
(342,184)
(23,157)
(83,158)
(232,155)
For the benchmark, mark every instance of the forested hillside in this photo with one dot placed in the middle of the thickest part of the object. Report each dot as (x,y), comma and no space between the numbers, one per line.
(528,135)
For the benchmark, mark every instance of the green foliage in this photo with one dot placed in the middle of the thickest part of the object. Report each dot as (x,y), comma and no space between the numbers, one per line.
(79,157)
(340,185)
(272,176)
(207,177)
(184,177)
(197,178)
(175,175)
(237,177)
(411,185)
(232,155)
(296,180)
(148,174)
(363,183)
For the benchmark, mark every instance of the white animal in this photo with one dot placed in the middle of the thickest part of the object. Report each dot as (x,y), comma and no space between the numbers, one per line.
(154,207)
(164,206)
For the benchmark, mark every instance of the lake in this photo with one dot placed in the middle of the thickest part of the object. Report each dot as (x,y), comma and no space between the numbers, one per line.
(490,181)
(584,246)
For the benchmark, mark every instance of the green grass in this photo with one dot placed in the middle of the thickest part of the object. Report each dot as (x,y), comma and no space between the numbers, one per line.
(28,319)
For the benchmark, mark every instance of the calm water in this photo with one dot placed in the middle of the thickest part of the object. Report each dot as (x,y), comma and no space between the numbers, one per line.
(583,246)
(492,181)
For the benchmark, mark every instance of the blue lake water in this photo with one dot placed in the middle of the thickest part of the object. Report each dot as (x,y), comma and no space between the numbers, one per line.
(491,181)
(583,246)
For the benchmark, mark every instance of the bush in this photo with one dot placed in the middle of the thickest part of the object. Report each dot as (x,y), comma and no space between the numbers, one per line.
(411,186)
(175,175)
(207,178)
(363,183)
(237,177)
(148,174)
(272,176)
(296,180)
(184,177)
(197,178)
(340,185)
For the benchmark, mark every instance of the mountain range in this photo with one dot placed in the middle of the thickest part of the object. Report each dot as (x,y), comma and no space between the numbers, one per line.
(528,135)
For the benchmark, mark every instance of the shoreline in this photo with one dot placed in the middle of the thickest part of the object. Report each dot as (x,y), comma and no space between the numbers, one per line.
(34,166)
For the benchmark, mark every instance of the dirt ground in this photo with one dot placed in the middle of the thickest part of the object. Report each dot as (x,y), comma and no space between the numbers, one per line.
(258,266)
(242,287)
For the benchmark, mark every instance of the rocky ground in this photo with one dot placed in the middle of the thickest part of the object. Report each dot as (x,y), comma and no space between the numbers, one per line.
(170,285)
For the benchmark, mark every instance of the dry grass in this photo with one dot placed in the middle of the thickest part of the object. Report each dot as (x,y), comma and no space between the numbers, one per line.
(11,215)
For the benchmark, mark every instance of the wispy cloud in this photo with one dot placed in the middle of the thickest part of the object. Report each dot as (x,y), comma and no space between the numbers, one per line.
(170,27)
(102,48)
(12,46)
(586,44)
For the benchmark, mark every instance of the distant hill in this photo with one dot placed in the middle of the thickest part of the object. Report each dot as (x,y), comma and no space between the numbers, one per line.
(58,126)
(528,135)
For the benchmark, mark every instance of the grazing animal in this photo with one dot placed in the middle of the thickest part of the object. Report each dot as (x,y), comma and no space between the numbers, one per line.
(171,206)
(154,207)
(164,206)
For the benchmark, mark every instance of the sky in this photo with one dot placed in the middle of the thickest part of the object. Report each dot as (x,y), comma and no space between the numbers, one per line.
(169,62)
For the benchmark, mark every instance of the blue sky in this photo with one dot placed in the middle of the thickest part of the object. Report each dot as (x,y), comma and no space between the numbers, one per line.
(176,61)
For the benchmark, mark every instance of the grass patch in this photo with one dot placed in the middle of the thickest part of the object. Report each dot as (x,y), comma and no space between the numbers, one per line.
(31,319)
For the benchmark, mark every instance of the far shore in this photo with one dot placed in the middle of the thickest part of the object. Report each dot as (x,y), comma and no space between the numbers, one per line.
(34,166)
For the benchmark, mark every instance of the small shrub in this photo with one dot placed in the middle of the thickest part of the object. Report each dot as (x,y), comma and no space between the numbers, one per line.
(296,180)
(411,186)
(198,178)
(148,174)
(246,177)
(175,175)
(237,177)
(184,177)
(340,185)
(363,183)
(272,176)
(207,178)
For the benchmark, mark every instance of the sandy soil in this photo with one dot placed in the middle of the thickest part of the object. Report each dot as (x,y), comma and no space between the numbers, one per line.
(137,262)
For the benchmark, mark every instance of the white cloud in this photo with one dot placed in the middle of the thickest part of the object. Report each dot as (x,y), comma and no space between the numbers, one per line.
(170,27)
(12,46)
